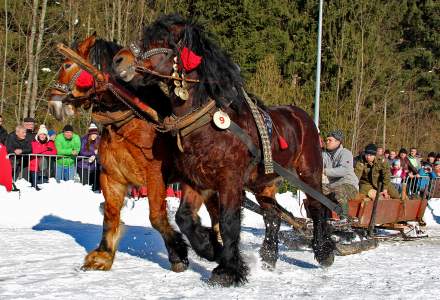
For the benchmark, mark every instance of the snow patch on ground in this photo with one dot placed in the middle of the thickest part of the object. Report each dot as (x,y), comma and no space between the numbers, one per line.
(45,235)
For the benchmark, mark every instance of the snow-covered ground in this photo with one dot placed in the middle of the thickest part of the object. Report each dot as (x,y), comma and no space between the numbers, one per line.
(45,235)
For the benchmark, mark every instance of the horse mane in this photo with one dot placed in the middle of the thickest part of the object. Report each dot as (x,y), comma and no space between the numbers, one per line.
(101,56)
(102,53)
(220,77)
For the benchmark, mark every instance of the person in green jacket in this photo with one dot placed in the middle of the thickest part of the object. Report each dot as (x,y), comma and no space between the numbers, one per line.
(68,145)
(370,169)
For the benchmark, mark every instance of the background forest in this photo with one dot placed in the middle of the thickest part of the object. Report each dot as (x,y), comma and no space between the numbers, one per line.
(380,78)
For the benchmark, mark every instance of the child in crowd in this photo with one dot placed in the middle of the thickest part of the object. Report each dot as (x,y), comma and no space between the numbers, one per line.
(88,168)
(397,174)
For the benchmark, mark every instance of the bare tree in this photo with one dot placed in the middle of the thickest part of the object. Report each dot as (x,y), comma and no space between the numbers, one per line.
(2,99)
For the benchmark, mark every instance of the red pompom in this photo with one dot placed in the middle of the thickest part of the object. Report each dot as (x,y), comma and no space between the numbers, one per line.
(283,143)
(189,59)
(85,80)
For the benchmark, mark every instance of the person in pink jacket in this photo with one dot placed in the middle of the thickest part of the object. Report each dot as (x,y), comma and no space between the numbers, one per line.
(39,165)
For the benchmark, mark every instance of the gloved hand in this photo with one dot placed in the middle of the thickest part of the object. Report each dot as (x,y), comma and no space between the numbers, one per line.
(92,159)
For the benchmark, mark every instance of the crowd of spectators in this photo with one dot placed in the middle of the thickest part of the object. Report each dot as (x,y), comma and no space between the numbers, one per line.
(396,174)
(38,155)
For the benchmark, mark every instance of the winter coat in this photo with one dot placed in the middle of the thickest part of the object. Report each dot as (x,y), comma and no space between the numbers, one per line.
(65,147)
(407,166)
(369,175)
(47,148)
(3,135)
(84,163)
(5,169)
(338,167)
(13,143)
(415,162)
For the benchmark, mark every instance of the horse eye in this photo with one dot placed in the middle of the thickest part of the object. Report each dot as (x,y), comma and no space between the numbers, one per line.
(66,66)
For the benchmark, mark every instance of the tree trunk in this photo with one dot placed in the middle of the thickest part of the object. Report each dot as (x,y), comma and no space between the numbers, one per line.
(37,57)
(31,60)
(2,99)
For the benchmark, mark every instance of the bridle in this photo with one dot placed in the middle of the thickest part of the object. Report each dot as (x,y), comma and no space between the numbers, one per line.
(140,55)
(67,88)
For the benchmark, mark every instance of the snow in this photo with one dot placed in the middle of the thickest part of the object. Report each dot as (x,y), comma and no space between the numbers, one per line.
(45,235)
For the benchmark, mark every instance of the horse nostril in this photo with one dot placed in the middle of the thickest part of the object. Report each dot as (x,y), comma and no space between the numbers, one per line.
(119,60)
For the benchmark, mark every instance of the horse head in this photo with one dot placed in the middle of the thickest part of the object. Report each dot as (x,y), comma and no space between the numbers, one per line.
(179,53)
(75,87)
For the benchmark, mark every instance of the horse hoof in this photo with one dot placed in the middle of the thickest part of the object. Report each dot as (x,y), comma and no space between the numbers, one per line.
(327,261)
(97,260)
(226,278)
(179,267)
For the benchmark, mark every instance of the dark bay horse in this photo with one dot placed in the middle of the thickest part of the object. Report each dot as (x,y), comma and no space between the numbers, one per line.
(215,164)
(131,153)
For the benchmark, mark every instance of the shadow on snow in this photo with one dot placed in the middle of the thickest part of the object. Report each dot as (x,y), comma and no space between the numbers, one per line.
(142,242)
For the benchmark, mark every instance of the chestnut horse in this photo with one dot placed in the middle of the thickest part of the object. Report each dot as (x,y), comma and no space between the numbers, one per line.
(131,152)
(215,164)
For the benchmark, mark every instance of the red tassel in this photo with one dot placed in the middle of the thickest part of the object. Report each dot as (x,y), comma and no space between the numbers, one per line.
(283,143)
(85,80)
(190,60)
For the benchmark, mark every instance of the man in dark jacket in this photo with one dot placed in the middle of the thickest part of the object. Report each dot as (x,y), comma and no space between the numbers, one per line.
(17,143)
(3,132)
(29,124)
(371,170)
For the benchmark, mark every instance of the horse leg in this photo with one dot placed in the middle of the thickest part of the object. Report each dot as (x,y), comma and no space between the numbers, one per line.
(176,246)
(202,239)
(269,249)
(231,270)
(102,257)
(212,206)
(323,246)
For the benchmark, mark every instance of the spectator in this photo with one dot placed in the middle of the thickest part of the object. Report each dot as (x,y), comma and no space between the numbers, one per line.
(5,169)
(52,134)
(437,158)
(413,159)
(386,154)
(3,132)
(397,175)
(392,157)
(431,159)
(338,168)
(423,177)
(18,144)
(370,171)
(38,165)
(29,124)
(88,169)
(380,152)
(404,162)
(68,145)
(434,189)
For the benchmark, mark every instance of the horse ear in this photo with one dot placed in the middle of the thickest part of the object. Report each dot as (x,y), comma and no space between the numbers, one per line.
(86,45)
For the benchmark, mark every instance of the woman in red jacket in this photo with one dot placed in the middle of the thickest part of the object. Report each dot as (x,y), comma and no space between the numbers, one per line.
(39,165)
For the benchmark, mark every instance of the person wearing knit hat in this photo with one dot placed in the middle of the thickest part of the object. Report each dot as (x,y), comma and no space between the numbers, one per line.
(338,173)
(88,168)
(68,145)
(39,164)
(370,171)
(52,134)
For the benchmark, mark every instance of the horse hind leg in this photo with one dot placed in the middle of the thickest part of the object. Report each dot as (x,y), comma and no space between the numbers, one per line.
(176,246)
(202,239)
(102,257)
(269,248)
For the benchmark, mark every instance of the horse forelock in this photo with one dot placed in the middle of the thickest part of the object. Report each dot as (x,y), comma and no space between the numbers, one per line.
(102,53)
(219,75)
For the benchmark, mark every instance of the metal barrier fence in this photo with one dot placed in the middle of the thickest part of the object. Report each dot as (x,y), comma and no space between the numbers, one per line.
(38,168)
(418,186)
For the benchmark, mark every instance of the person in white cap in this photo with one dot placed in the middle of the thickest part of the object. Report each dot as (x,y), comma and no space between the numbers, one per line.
(39,163)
